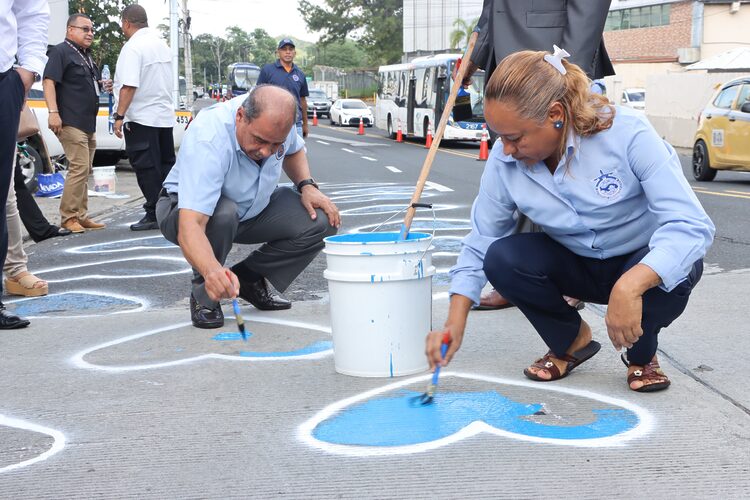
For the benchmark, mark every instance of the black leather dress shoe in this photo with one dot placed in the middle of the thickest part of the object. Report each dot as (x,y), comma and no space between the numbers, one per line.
(257,293)
(205,317)
(10,321)
(145,224)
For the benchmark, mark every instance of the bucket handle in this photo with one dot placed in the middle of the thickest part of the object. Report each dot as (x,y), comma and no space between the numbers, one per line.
(415,206)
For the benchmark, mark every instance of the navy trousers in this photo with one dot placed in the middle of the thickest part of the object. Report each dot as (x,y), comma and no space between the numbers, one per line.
(11,101)
(533,271)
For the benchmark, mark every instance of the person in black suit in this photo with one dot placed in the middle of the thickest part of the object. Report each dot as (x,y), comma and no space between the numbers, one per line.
(508,26)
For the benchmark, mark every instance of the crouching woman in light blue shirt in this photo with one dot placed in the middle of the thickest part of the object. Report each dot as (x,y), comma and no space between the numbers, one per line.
(621,225)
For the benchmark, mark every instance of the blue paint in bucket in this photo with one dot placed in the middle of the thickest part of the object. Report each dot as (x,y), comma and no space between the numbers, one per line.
(396,422)
(365,238)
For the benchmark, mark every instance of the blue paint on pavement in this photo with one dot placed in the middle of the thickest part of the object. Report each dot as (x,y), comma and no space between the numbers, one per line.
(319,346)
(230,336)
(395,421)
(71,303)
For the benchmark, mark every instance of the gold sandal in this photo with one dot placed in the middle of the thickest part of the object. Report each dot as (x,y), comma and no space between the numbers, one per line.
(26,285)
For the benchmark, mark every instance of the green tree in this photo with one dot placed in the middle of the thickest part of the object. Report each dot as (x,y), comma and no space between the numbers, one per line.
(459,37)
(345,55)
(375,26)
(105,15)
(263,49)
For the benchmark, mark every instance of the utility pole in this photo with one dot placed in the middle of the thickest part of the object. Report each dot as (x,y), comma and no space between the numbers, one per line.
(175,46)
(188,55)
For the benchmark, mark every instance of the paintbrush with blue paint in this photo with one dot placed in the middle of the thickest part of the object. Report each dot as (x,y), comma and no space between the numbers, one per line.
(429,396)
(237,313)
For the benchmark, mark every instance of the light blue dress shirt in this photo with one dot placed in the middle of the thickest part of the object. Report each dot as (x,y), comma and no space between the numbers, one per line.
(622,189)
(210,164)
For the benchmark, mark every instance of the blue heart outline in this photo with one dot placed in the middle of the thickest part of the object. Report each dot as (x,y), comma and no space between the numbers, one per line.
(306,429)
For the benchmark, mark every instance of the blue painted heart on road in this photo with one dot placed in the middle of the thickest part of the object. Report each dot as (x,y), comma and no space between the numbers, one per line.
(396,421)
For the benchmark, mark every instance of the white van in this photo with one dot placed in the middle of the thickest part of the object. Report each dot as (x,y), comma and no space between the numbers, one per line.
(634,97)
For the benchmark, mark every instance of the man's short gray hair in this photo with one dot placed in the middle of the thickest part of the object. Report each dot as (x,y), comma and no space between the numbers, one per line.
(136,15)
(256,103)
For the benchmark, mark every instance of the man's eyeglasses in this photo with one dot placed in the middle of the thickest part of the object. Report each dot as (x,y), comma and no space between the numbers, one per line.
(85,29)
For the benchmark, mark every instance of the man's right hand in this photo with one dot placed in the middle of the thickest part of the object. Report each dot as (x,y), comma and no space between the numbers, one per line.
(55,123)
(221,283)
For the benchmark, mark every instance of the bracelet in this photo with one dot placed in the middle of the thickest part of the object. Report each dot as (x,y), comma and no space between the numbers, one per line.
(53,111)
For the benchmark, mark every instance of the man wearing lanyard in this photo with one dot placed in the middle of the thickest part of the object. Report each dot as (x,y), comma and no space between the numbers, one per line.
(23,36)
(145,112)
(71,89)
(284,73)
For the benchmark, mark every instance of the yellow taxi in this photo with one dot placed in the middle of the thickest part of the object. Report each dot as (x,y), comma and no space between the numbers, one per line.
(722,141)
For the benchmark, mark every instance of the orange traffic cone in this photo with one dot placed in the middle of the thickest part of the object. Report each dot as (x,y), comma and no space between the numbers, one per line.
(361,130)
(315,118)
(484,150)
(428,140)
(399,133)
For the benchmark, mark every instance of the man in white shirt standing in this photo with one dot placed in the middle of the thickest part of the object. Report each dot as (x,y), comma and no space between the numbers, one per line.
(23,36)
(144,107)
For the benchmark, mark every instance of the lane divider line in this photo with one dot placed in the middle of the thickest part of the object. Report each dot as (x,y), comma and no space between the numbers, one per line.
(323,142)
(349,151)
(393,169)
(438,187)
(368,158)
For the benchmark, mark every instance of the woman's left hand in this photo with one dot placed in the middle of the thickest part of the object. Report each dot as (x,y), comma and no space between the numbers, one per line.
(623,317)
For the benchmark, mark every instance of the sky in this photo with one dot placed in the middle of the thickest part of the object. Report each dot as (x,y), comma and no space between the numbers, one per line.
(214,16)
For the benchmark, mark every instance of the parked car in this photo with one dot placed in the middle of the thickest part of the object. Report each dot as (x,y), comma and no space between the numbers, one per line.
(722,141)
(45,147)
(349,112)
(318,100)
(634,98)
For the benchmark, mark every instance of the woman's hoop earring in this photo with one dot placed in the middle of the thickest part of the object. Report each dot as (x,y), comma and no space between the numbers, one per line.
(558,124)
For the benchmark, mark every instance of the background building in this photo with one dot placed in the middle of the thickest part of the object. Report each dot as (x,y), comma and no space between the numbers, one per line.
(428,24)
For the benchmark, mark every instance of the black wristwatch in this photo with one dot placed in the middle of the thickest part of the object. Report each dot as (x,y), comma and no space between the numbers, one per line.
(117,117)
(307,182)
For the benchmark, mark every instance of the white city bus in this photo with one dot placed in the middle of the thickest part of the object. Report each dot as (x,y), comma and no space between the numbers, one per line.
(414,94)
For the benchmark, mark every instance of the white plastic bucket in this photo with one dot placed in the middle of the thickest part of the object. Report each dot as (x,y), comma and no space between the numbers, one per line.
(105,179)
(381,302)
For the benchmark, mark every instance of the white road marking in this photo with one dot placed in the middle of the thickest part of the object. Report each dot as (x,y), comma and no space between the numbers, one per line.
(438,187)
(393,169)
(16,423)
(348,150)
(324,143)
(368,158)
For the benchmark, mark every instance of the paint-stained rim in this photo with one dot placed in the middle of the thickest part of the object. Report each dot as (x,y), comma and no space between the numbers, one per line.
(305,430)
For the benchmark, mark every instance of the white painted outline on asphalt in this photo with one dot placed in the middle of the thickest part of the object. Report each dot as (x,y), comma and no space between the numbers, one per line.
(114,276)
(78,361)
(438,187)
(144,304)
(57,445)
(393,169)
(305,430)
(84,249)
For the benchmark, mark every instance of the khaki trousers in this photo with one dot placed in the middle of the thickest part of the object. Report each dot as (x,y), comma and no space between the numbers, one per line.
(79,148)
(16,259)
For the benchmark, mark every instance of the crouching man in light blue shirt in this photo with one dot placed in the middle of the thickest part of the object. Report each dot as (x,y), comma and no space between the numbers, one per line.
(223,190)
(621,225)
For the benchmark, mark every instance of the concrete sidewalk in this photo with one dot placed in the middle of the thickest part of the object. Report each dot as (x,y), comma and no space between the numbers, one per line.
(132,401)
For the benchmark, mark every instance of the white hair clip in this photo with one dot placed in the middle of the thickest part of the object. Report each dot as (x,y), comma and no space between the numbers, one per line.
(556,59)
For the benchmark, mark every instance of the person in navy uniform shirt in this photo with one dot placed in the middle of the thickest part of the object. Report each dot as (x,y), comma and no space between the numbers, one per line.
(621,225)
(284,73)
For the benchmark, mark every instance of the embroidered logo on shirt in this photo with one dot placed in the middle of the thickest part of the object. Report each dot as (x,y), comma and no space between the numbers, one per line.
(295,78)
(607,185)
(280,152)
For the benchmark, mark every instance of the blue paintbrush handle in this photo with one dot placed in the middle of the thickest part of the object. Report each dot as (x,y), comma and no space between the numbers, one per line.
(443,351)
